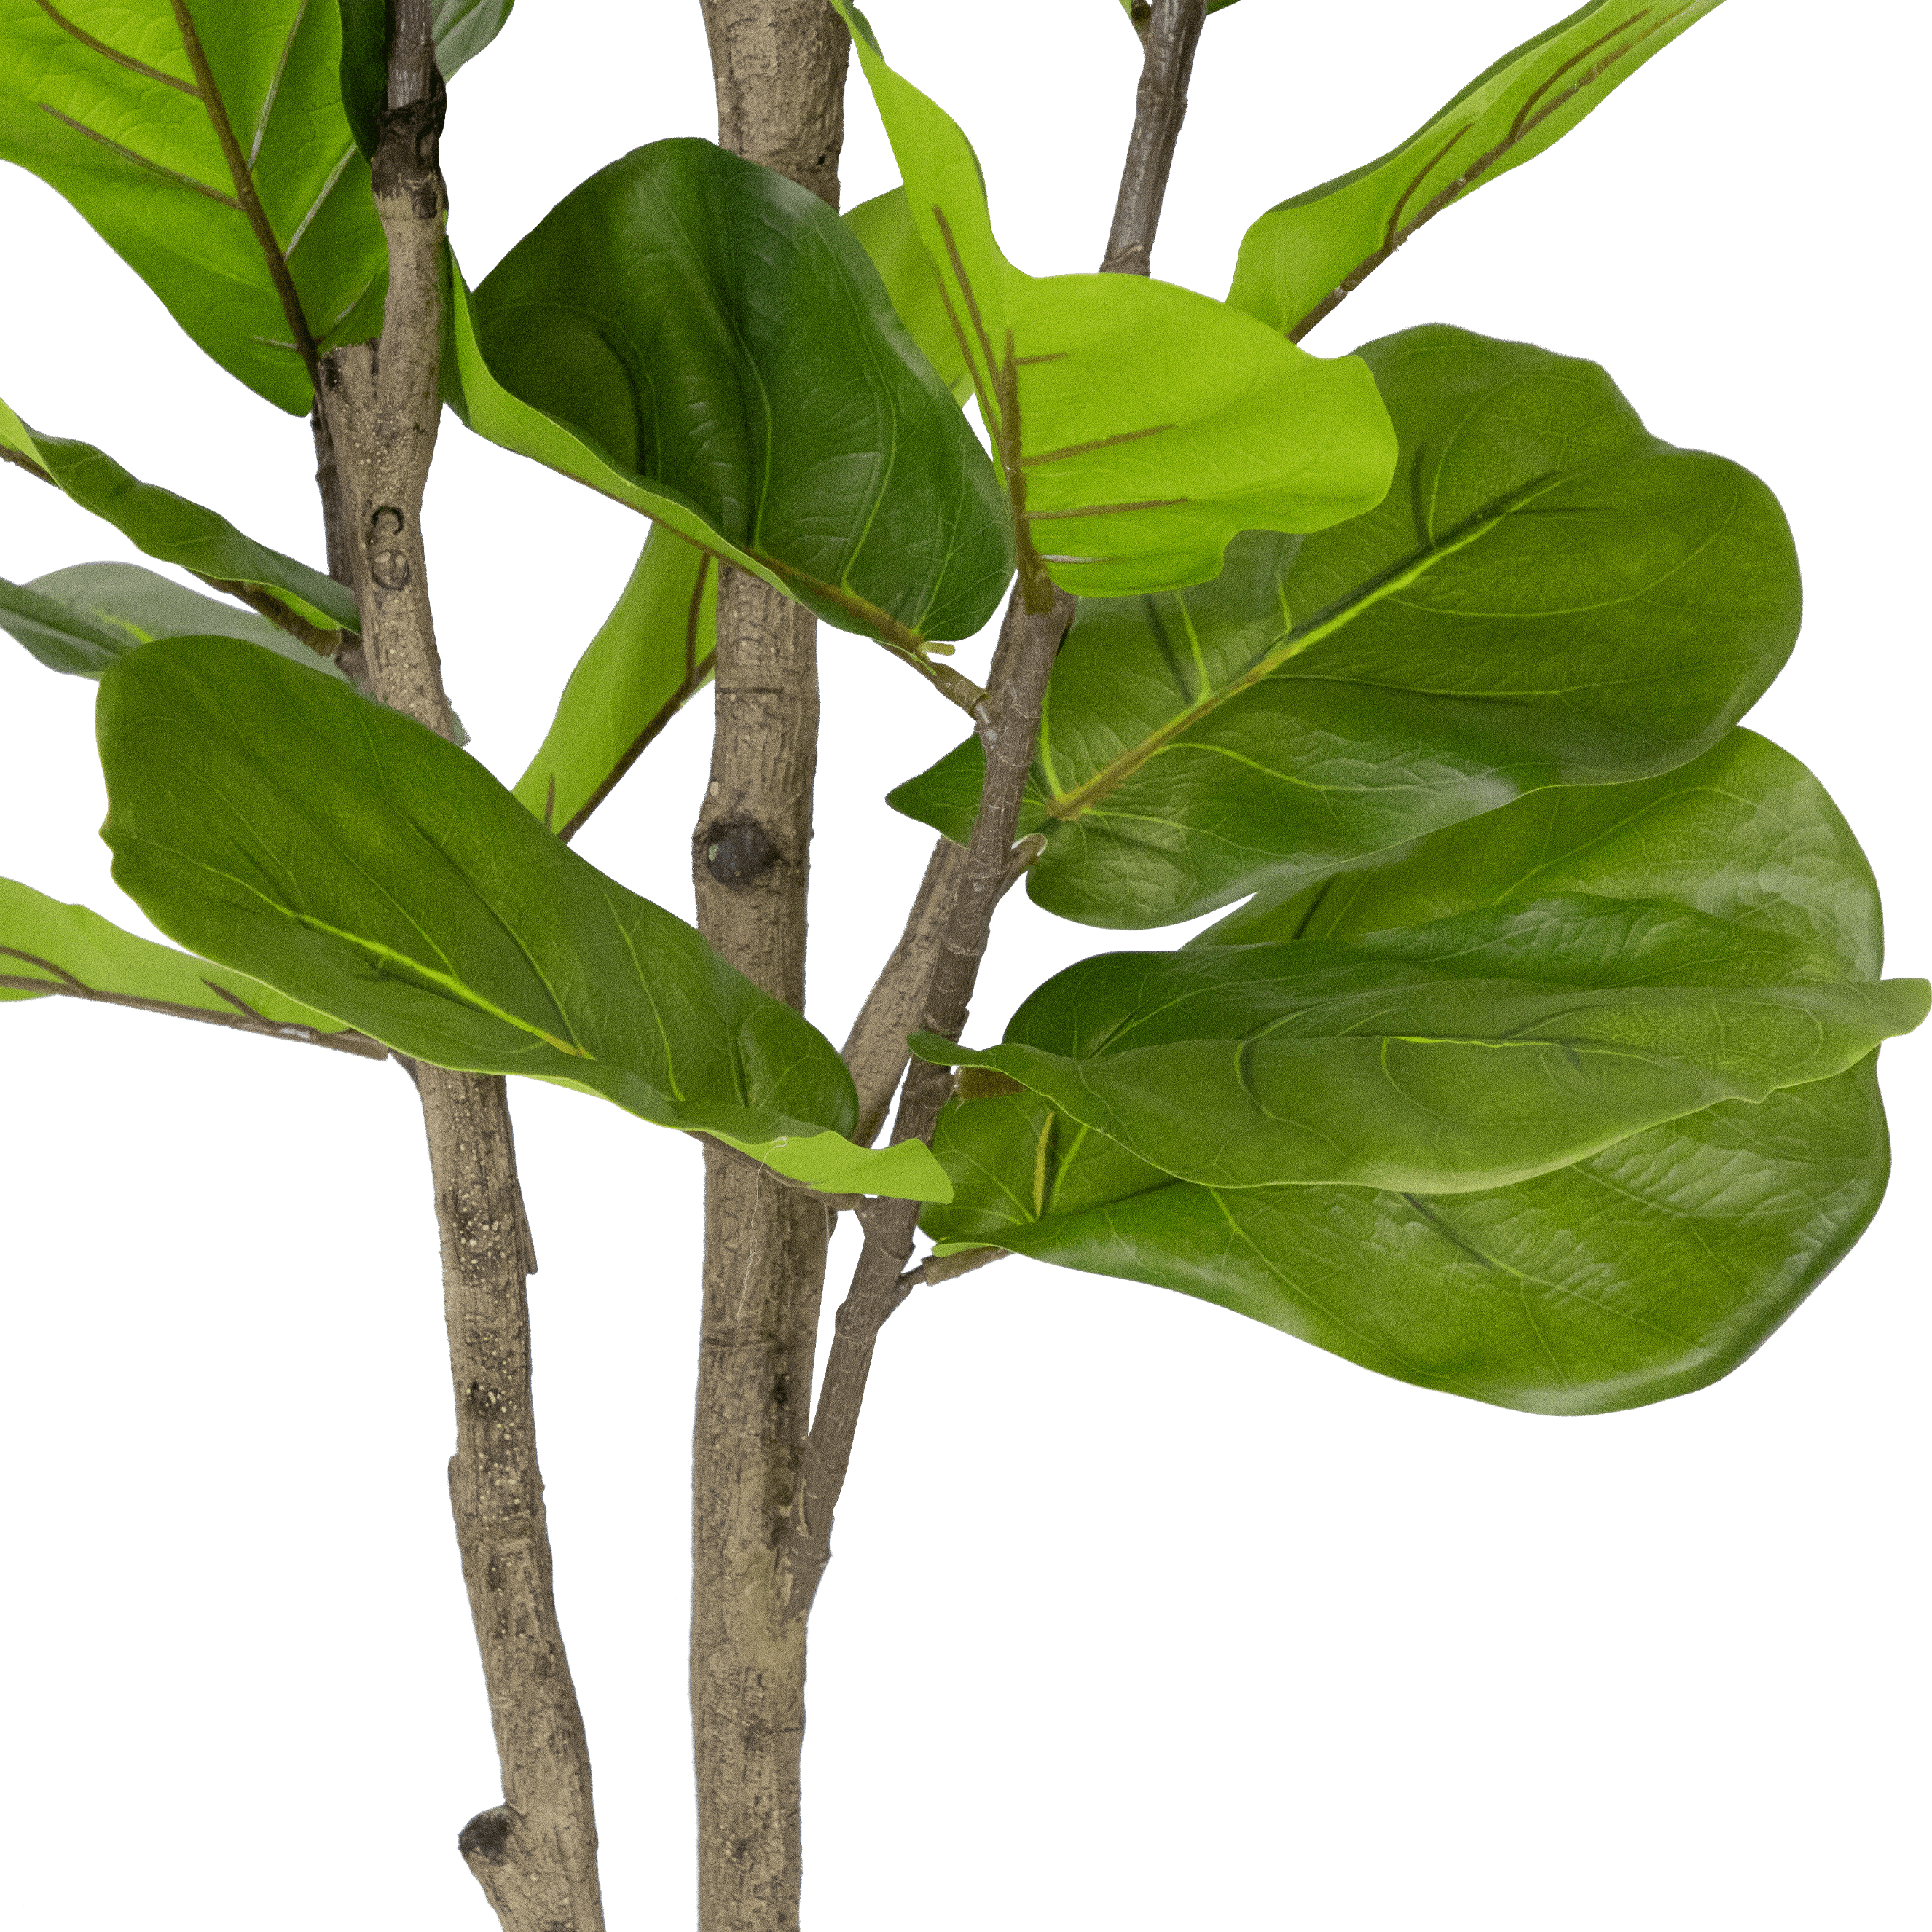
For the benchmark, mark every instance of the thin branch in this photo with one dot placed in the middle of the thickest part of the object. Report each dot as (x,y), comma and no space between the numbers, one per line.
(1029,641)
(935,964)
(936,1268)
(250,203)
(1171,35)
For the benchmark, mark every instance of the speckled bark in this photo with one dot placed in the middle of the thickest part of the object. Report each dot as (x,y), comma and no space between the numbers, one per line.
(780,71)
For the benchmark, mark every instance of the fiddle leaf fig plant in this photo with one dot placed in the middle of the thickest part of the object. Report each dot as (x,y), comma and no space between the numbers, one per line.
(1532,1059)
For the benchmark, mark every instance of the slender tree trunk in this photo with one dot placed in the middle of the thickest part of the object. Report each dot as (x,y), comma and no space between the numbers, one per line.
(535,1854)
(780,69)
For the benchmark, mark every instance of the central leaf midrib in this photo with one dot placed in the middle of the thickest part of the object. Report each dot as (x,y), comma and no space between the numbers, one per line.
(1065,805)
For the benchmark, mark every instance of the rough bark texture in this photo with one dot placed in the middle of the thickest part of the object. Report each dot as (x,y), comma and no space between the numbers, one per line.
(1170,34)
(779,68)
(535,1853)
(780,71)
(380,407)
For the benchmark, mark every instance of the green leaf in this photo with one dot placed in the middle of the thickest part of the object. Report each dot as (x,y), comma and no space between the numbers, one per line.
(1548,595)
(1470,1053)
(210,152)
(1139,426)
(279,823)
(80,619)
(887,232)
(173,530)
(1646,1270)
(47,949)
(791,427)
(1305,254)
(463,28)
(1744,833)
(651,657)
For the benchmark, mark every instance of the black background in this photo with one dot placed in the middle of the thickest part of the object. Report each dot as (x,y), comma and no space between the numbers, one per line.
(1131,1601)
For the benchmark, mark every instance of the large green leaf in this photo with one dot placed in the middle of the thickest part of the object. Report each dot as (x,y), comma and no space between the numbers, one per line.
(1139,425)
(80,619)
(209,149)
(1304,255)
(1548,595)
(49,950)
(1470,1053)
(702,340)
(1646,1270)
(1744,833)
(176,531)
(649,658)
(279,823)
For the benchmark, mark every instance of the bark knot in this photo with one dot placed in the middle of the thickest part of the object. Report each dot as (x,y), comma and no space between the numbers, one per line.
(736,854)
(487,1836)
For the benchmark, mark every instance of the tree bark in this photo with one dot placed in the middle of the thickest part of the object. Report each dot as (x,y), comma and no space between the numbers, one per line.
(378,405)
(780,71)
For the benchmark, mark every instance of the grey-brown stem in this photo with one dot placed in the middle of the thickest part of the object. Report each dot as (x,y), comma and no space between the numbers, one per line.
(943,955)
(1029,641)
(779,68)
(1170,36)
(535,1854)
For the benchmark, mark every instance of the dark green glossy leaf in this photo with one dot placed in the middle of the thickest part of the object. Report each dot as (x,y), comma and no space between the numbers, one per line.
(1470,1053)
(80,619)
(277,822)
(1139,425)
(1744,833)
(651,657)
(243,204)
(1302,256)
(1646,1270)
(702,340)
(48,949)
(1548,595)
(173,530)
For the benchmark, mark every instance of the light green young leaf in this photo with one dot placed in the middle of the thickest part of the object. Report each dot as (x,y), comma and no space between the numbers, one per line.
(1303,256)
(171,529)
(209,149)
(1139,426)
(651,657)
(80,619)
(279,823)
(793,429)
(1550,595)
(48,949)
(1646,1270)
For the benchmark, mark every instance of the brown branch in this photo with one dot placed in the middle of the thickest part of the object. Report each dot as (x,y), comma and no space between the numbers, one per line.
(1029,641)
(1172,32)
(938,954)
